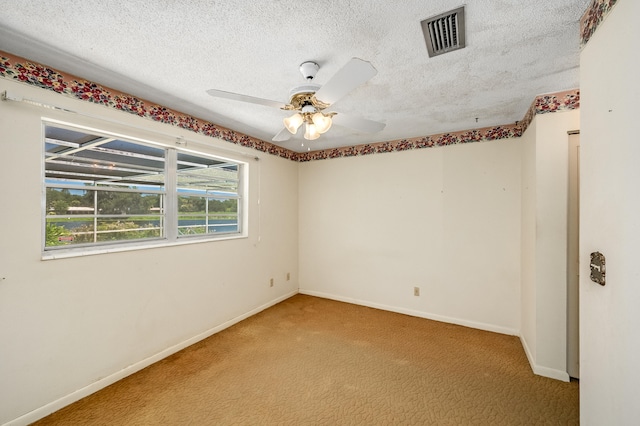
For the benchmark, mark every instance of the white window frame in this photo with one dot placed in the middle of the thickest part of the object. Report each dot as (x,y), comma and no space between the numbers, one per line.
(171,195)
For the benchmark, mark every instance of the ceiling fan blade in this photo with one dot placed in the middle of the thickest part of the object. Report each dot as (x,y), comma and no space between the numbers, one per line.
(352,75)
(358,123)
(283,135)
(244,98)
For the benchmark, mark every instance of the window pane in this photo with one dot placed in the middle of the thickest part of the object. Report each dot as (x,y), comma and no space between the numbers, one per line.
(66,201)
(128,228)
(69,214)
(100,188)
(203,215)
(208,194)
(88,159)
(223,213)
(65,231)
(121,216)
(75,230)
(204,174)
(128,203)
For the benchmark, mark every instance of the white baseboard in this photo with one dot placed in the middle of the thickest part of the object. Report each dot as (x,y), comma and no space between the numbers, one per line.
(47,409)
(539,370)
(414,313)
(527,351)
(551,373)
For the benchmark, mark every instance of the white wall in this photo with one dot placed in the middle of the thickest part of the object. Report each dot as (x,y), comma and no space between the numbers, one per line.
(446,220)
(544,241)
(552,172)
(610,206)
(528,293)
(71,326)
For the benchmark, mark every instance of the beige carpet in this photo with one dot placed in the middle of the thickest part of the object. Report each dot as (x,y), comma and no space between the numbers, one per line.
(312,361)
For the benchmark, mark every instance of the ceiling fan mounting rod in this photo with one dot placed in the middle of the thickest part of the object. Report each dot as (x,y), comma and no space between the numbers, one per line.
(309,70)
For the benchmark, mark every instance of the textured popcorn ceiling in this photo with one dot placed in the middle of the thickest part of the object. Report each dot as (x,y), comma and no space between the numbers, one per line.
(171,52)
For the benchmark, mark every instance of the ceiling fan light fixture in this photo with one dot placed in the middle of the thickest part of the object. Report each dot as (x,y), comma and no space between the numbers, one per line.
(311,132)
(308,101)
(293,123)
(322,122)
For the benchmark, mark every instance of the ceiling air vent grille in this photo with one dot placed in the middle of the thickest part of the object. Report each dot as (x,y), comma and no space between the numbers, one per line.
(445,32)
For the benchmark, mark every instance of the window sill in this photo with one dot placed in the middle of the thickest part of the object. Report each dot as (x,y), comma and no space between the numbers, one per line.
(91,251)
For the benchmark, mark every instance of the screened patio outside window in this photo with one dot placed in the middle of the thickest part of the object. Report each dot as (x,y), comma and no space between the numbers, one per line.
(102,189)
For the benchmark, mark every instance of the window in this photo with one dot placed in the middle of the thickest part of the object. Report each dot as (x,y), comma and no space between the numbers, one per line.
(207,195)
(104,189)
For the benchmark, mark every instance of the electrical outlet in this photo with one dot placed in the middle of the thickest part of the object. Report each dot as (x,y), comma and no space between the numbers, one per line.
(271,282)
(416,291)
(288,276)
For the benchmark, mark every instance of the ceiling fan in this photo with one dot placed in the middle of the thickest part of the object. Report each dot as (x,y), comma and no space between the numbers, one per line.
(311,102)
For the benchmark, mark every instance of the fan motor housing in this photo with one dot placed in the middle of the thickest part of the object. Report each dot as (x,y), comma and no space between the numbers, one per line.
(305,95)
(305,88)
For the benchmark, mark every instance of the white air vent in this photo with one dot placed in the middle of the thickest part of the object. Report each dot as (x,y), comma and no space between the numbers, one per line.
(445,32)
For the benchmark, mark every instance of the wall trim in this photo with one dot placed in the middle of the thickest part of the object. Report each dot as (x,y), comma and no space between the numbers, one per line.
(542,104)
(77,395)
(20,69)
(414,313)
(593,17)
(551,373)
(539,370)
(527,351)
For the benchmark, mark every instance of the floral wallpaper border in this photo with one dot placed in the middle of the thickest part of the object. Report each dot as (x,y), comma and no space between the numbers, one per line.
(562,101)
(20,69)
(593,17)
